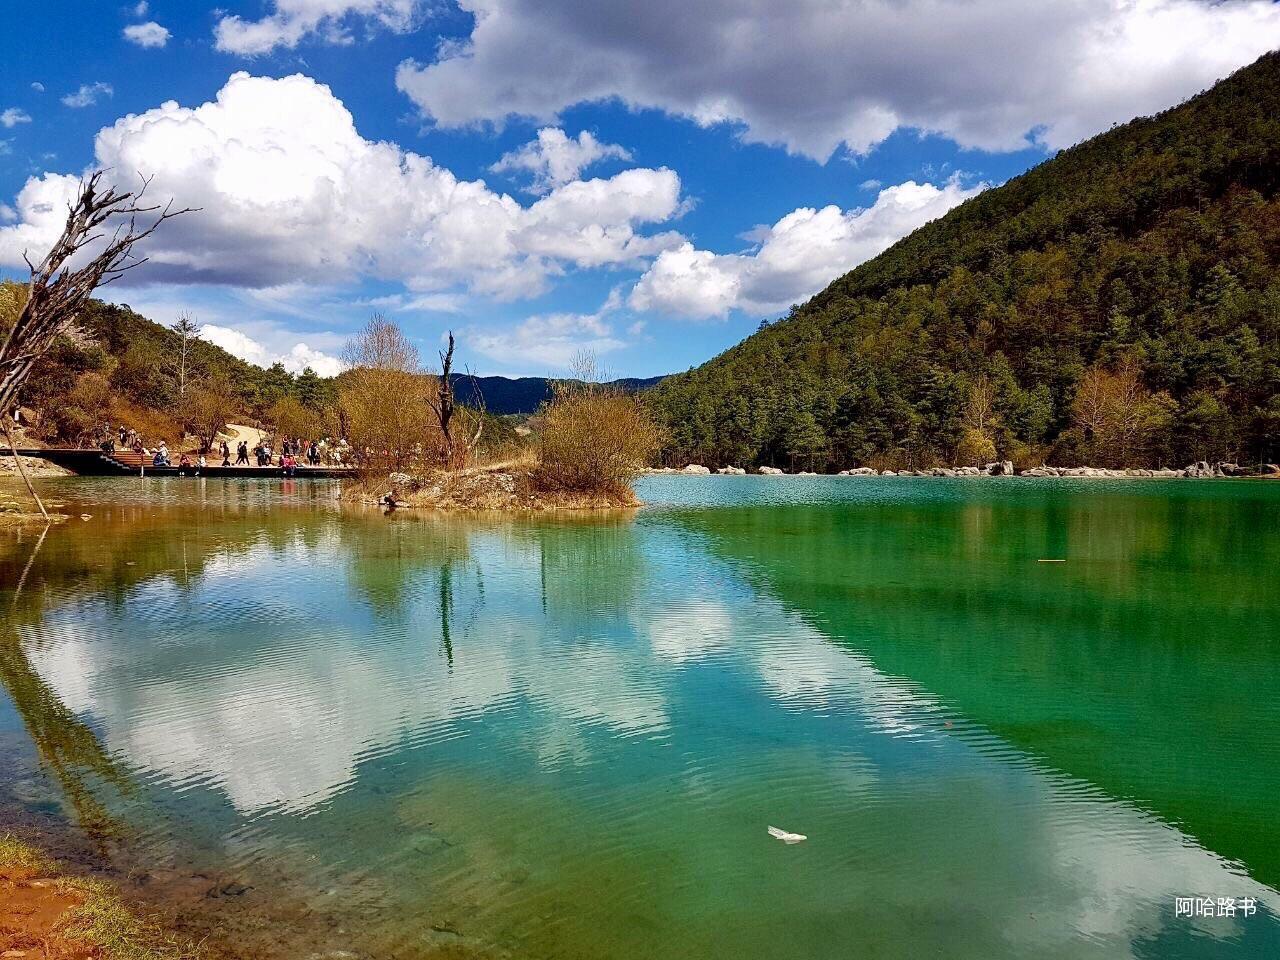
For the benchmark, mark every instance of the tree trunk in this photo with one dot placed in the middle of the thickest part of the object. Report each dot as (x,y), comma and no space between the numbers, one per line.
(23,470)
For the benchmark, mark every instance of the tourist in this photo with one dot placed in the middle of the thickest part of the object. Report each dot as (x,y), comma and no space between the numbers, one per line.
(226,454)
(313,454)
(242,453)
(161,458)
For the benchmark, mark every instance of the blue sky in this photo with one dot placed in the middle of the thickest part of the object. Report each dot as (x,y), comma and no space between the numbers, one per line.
(674,172)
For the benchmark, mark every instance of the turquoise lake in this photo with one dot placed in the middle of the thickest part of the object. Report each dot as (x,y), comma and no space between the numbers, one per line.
(1014,718)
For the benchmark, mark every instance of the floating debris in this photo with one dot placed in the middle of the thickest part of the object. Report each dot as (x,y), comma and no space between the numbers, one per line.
(786,837)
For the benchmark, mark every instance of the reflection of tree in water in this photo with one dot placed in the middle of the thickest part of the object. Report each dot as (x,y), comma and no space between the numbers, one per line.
(66,745)
(590,564)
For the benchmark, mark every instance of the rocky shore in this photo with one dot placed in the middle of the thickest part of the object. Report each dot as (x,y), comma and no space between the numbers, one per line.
(1005,468)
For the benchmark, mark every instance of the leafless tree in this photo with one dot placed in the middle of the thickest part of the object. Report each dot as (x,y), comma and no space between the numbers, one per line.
(444,406)
(57,291)
(185,328)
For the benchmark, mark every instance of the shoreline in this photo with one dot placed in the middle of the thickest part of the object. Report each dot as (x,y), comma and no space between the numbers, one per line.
(1201,470)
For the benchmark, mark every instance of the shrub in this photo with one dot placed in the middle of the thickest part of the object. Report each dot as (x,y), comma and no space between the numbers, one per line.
(593,438)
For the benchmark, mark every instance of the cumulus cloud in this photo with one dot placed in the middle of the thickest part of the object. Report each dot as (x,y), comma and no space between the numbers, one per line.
(329,20)
(14,116)
(794,258)
(296,359)
(551,341)
(290,192)
(37,86)
(149,34)
(993,75)
(555,158)
(88,94)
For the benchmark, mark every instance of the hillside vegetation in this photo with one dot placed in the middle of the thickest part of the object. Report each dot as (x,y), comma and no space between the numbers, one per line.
(1117,305)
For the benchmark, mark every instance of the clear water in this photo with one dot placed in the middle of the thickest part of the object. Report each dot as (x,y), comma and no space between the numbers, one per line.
(565,738)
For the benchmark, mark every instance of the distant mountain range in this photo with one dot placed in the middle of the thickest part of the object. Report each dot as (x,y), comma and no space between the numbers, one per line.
(523,395)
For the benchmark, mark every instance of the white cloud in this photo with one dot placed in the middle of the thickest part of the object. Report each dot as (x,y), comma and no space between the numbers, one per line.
(814,74)
(14,116)
(290,192)
(795,258)
(294,20)
(555,159)
(88,94)
(37,86)
(149,34)
(296,359)
(142,9)
(553,341)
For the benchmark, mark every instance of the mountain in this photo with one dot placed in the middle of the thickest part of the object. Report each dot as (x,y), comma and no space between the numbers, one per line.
(1118,304)
(523,395)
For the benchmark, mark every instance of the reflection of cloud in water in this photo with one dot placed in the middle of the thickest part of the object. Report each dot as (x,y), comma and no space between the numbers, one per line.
(281,719)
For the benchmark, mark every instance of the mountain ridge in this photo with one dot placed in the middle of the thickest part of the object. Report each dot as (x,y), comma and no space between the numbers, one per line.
(1142,260)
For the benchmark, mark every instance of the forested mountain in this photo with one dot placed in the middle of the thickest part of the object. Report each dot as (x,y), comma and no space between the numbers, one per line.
(1117,305)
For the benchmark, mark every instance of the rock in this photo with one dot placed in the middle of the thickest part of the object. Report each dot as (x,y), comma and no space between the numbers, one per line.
(1229,469)
(770,471)
(1000,468)
(942,472)
(806,473)
(857,472)
(1199,470)
(1039,472)
(400,479)
(696,468)
(887,473)
(731,471)
(967,472)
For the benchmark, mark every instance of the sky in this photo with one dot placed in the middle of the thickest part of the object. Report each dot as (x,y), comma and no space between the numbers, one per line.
(646,182)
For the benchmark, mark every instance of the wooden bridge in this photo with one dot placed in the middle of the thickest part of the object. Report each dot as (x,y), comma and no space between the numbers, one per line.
(92,462)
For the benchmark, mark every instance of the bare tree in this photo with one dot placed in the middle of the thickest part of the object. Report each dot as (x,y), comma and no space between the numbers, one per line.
(186,328)
(56,293)
(444,406)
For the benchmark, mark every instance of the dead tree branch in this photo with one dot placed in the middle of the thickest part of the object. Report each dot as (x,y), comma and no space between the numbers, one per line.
(58,291)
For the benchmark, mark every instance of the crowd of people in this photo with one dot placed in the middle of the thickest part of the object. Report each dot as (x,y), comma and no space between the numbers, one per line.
(293,453)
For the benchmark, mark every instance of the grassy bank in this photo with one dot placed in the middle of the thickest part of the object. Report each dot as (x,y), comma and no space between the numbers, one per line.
(48,913)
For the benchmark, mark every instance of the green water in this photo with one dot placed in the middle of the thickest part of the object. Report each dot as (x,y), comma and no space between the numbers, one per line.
(553,738)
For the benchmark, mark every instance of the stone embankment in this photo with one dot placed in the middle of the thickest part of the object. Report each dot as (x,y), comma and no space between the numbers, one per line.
(1005,468)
